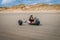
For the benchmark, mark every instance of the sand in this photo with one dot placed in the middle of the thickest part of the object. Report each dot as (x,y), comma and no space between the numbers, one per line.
(48,30)
(34,11)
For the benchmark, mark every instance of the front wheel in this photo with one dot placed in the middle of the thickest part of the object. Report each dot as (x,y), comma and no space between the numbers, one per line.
(20,22)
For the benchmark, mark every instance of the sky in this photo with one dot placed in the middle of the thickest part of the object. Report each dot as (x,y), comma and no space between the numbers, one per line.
(28,2)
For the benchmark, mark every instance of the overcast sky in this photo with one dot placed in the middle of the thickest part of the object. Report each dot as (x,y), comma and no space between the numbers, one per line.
(14,2)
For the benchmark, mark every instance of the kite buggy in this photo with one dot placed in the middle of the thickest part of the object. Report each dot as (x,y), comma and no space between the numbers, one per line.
(31,21)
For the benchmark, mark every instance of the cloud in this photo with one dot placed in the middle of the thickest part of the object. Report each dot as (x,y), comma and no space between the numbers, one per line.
(48,1)
(7,1)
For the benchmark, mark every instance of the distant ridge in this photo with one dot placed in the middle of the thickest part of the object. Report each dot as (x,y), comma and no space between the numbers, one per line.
(32,7)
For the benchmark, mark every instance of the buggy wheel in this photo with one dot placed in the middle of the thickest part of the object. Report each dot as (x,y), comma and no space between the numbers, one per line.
(20,22)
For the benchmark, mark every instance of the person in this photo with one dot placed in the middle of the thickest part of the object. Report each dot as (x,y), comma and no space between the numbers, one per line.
(31,19)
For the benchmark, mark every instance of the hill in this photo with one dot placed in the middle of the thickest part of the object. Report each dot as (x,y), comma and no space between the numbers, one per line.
(24,7)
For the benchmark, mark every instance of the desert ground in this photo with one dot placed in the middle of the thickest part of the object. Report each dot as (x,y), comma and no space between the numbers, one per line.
(48,30)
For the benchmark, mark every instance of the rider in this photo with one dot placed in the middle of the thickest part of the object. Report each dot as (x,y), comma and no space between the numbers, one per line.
(31,19)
